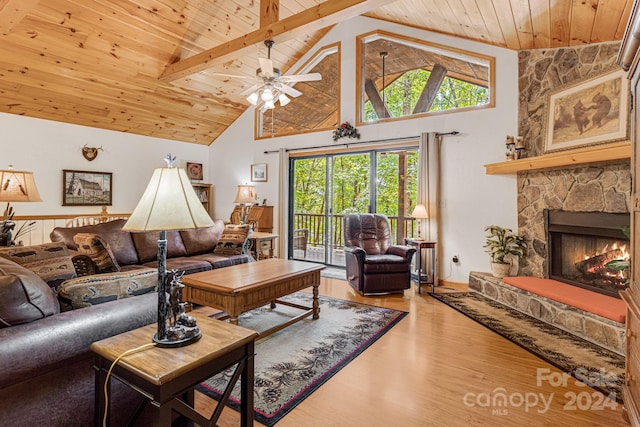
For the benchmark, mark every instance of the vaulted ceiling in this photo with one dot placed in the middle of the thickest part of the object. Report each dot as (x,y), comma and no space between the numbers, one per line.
(147,66)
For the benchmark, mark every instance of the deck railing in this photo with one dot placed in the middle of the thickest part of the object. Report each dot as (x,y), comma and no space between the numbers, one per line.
(316,224)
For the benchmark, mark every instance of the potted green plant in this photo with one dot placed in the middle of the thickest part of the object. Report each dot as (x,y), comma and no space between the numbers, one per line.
(500,243)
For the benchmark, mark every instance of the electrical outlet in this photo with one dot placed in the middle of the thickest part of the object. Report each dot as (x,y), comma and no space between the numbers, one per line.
(455,259)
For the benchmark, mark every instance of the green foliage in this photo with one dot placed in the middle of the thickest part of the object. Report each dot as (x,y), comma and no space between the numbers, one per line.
(503,241)
(401,96)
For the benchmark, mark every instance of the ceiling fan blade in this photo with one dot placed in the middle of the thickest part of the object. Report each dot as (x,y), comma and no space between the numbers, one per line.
(289,90)
(311,77)
(266,65)
(251,89)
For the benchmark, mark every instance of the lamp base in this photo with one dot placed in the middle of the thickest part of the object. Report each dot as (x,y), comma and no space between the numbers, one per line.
(177,339)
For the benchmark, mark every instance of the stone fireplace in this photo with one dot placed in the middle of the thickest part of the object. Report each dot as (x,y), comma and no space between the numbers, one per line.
(581,247)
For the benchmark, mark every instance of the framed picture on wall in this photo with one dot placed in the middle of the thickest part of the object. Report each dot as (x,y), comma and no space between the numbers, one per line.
(592,112)
(84,188)
(259,172)
(194,171)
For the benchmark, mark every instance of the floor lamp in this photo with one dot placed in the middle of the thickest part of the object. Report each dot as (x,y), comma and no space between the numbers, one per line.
(170,203)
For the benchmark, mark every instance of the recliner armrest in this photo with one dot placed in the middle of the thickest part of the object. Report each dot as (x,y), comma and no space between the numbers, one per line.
(402,250)
(355,250)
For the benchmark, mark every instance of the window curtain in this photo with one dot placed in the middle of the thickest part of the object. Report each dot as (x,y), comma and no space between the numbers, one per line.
(283,202)
(429,193)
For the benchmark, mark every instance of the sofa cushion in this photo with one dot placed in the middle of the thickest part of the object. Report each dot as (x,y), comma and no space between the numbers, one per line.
(232,239)
(98,250)
(146,244)
(119,241)
(50,261)
(202,240)
(99,288)
(219,261)
(24,297)
(187,265)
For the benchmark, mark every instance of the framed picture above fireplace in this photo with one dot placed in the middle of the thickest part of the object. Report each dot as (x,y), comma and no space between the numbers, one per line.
(595,111)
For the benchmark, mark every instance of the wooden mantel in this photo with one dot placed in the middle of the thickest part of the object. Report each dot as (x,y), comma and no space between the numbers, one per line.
(596,154)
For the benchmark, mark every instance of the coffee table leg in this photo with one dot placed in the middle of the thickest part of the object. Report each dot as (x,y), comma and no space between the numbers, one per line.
(316,304)
(233,320)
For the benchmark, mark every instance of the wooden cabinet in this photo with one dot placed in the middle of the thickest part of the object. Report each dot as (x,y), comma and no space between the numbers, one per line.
(629,57)
(204,193)
(260,217)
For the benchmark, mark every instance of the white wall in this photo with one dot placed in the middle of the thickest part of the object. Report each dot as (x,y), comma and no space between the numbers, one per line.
(46,148)
(471,199)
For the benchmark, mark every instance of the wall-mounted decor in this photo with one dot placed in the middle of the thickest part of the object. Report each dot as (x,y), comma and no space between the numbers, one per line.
(592,112)
(194,170)
(84,188)
(90,153)
(259,172)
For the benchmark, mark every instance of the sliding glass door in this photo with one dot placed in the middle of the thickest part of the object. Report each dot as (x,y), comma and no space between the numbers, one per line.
(326,187)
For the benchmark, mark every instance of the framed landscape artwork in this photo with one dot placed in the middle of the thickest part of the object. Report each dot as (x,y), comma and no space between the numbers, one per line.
(591,112)
(84,188)
(259,172)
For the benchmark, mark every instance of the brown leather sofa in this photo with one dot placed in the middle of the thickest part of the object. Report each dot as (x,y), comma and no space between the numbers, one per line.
(190,251)
(46,365)
(374,264)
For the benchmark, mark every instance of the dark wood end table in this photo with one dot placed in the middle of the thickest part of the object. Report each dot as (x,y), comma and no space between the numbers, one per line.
(422,278)
(167,376)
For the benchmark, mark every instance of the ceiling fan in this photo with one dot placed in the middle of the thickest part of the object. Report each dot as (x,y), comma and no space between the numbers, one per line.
(269,83)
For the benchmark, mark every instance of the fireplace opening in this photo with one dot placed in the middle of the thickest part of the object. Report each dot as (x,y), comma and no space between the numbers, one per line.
(581,247)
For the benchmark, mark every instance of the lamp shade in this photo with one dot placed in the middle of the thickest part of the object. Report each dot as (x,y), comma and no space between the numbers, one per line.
(168,203)
(420,212)
(18,186)
(246,194)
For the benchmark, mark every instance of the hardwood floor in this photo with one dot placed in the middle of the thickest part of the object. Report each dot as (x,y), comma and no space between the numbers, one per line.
(439,368)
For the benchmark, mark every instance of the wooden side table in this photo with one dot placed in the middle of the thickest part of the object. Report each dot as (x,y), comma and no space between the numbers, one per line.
(167,376)
(422,278)
(262,243)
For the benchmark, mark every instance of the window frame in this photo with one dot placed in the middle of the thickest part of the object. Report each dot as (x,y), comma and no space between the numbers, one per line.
(362,39)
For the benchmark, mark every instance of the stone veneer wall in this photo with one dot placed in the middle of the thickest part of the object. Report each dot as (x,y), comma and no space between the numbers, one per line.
(592,188)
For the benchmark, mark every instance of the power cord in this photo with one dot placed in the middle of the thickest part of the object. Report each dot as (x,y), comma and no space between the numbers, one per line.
(106,381)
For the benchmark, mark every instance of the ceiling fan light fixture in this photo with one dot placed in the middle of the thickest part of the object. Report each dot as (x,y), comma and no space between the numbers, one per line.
(253,98)
(269,105)
(267,95)
(284,99)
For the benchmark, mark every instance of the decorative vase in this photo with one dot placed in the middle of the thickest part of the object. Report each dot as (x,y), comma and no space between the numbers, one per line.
(500,270)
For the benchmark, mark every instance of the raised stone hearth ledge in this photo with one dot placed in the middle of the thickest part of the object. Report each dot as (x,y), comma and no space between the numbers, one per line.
(599,330)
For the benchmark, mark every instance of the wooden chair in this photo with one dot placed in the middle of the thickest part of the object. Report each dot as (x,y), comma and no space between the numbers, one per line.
(300,240)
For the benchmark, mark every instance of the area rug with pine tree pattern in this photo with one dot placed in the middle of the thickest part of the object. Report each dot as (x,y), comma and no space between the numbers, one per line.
(293,362)
(572,354)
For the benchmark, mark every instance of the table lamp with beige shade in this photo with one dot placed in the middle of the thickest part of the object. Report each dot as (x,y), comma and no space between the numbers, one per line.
(170,203)
(420,213)
(245,197)
(15,186)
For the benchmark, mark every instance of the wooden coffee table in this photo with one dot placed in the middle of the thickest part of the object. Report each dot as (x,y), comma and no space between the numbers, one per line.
(243,287)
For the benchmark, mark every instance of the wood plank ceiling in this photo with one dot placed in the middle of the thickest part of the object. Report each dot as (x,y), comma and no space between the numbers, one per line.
(146,66)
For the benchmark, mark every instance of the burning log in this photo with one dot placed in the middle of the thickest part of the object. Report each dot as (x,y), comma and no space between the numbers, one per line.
(596,263)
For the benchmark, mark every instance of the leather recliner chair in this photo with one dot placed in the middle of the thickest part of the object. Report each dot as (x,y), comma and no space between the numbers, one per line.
(374,264)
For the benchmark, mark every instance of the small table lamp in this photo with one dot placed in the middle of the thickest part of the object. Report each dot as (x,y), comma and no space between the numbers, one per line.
(169,203)
(420,213)
(15,186)
(245,196)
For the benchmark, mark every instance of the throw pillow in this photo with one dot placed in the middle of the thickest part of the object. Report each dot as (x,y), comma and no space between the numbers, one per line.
(99,288)
(232,239)
(24,297)
(98,250)
(50,261)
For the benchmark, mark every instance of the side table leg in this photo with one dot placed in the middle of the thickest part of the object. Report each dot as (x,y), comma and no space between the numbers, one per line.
(99,399)
(233,320)
(246,388)
(316,303)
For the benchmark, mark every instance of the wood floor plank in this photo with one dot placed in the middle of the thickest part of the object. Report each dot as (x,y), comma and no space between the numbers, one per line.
(421,371)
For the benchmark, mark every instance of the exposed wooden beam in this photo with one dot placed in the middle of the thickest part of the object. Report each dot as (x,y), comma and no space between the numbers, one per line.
(376,100)
(438,73)
(323,15)
(269,12)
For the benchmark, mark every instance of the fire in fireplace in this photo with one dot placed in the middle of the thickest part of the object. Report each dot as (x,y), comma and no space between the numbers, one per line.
(581,247)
